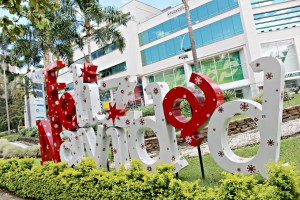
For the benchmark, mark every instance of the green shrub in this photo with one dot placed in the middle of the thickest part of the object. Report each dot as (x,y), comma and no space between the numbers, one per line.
(29,132)
(258,98)
(58,181)
(286,180)
(186,109)
(12,137)
(287,95)
(10,150)
(4,133)
(147,110)
(229,95)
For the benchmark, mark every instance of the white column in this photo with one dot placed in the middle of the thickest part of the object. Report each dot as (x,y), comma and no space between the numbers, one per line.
(297,47)
(253,49)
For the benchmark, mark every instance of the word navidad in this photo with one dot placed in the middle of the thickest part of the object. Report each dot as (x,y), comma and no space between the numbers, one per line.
(78,112)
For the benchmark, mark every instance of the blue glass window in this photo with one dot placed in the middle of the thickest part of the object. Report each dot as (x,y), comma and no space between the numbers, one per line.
(259,3)
(113,70)
(208,34)
(199,14)
(278,19)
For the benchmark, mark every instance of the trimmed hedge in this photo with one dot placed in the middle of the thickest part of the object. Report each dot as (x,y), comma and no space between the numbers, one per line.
(57,181)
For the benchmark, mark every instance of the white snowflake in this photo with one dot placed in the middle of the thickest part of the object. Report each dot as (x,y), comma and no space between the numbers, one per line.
(198,80)
(188,139)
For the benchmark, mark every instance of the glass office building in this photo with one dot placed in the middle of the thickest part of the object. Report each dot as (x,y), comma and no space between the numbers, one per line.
(229,35)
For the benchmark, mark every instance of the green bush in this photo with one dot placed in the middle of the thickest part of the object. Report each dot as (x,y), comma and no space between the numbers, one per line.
(229,95)
(258,98)
(10,150)
(147,110)
(57,181)
(29,132)
(287,95)
(12,137)
(286,180)
(4,133)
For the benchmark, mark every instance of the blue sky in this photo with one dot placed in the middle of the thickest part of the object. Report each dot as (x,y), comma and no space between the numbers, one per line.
(161,4)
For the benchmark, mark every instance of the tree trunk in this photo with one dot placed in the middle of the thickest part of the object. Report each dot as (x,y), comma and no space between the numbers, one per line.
(191,33)
(47,57)
(88,40)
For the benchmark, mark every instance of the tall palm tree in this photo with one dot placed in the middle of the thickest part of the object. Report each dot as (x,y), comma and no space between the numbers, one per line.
(191,33)
(97,22)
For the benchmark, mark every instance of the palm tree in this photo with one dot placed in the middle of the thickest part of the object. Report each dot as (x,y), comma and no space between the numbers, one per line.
(97,22)
(191,33)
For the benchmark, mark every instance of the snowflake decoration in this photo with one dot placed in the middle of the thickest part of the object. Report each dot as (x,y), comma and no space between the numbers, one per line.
(155,91)
(127,122)
(256,119)
(126,78)
(269,76)
(115,151)
(238,170)
(55,125)
(103,149)
(104,84)
(257,65)
(143,146)
(188,139)
(84,87)
(244,106)
(98,113)
(76,137)
(130,93)
(142,121)
(84,100)
(173,158)
(251,169)
(271,142)
(122,91)
(221,109)
(97,144)
(149,168)
(89,73)
(198,80)
(115,113)
(221,153)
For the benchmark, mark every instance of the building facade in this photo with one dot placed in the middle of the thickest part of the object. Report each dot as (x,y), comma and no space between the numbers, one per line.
(229,34)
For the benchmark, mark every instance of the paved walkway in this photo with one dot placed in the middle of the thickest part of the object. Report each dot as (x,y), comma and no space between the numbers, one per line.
(8,196)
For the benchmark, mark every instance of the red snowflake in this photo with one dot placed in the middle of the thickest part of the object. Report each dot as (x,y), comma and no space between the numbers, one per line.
(84,100)
(142,121)
(76,137)
(130,93)
(221,109)
(173,158)
(238,170)
(271,142)
(103,149)
(221,153)
(256,119)
(251,169)
(126,79)
(115,151)
(104,84)
(122,91)
(84,87)
(89,73)
(76,82)
(149,168)
(244,106)
(269,76)
(155,91)
(143,146)
(257,65)
(127,122)
(98,113)
(114,113)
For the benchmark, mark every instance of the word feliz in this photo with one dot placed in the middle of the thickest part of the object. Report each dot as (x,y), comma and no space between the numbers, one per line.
(79,111)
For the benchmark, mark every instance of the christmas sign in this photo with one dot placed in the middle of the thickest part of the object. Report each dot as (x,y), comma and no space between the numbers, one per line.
(77,112)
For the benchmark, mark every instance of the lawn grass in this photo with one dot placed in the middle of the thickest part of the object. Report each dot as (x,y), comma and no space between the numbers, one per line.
(295,101)
(289,152)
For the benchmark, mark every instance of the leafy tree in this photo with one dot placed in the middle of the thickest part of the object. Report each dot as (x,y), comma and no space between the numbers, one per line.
(33,10)
(97,22)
